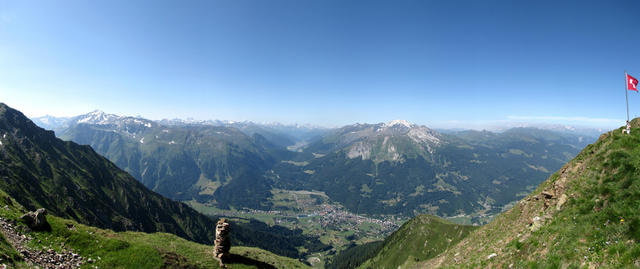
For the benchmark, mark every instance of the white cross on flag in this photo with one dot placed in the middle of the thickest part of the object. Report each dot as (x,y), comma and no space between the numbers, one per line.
(632,83)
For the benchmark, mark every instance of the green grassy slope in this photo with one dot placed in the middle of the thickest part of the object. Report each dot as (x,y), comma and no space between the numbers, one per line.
(7,253)
(421,238)
(355,255)
(139,250)
(12,210)
(584,215)
(72,181)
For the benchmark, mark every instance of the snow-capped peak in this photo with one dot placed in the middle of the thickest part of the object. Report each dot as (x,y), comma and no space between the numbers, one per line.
(97,117)
(398,122)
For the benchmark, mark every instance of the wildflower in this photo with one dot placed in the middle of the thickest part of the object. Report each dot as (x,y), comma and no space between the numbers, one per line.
(621,220)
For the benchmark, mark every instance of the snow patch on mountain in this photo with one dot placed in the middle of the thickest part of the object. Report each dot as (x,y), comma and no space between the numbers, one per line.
(398,123)
(124,124)
(97,117)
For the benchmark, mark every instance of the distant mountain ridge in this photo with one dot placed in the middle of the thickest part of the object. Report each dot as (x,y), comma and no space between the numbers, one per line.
(376,141)
(51,122)
(384,168)
(394,167)
(277,133)
(182,162)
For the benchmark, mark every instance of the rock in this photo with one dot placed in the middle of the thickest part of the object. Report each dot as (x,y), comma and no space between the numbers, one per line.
(37,220)
(38,258)
(547,195)
(536,224)
(222,242)
(561,201)
(491,256)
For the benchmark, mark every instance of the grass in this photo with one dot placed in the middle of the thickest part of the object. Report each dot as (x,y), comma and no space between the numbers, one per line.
(137,250)
(598,226)
(421,238)
(8,255)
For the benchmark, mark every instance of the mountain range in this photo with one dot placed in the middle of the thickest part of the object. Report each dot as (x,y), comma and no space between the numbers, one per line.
(582,216)
(399,167)
(385,168)
(74,182)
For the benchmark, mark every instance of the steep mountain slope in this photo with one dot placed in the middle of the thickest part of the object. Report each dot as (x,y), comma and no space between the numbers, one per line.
(421,238)
(584,215)
(355,255)
(73,181)
(108,249)
(182,162)
(399,167)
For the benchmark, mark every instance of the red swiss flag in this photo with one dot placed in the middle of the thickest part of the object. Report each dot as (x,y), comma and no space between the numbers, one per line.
(632,83)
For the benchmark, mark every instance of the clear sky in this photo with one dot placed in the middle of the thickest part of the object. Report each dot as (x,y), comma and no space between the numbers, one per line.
(439,63)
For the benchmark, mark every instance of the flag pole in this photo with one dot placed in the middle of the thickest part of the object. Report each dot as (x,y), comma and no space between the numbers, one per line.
(626,94)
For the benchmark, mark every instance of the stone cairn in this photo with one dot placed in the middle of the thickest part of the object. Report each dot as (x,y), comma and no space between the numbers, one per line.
(222,243)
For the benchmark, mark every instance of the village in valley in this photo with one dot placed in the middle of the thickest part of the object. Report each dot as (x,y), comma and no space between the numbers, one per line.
(314,213)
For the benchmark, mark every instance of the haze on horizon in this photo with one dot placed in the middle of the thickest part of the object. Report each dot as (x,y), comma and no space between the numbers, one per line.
(467,64)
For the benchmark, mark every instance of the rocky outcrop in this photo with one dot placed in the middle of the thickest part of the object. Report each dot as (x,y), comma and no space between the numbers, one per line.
(222,242)
(37,220)
(36,258)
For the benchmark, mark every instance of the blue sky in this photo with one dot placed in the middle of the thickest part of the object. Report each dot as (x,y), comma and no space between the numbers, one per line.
(440,63)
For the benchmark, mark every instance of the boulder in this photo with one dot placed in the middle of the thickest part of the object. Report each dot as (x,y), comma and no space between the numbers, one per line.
(561,201)
(37,220)
(536,224)
(547,195)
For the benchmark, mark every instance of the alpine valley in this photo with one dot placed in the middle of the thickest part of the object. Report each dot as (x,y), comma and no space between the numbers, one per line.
(103,215)
(350,186)
(374,169)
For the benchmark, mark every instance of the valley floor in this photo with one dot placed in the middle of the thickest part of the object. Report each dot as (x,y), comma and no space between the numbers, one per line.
(316,215)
